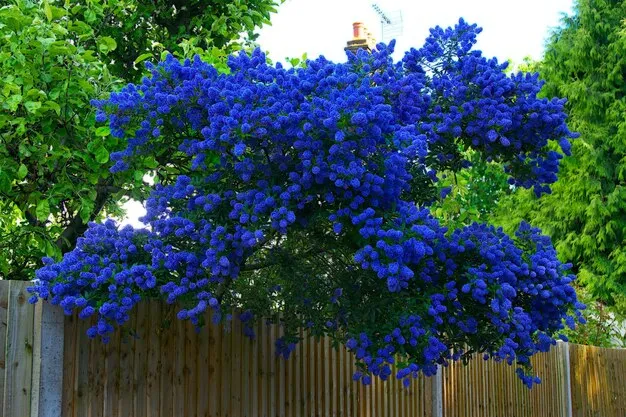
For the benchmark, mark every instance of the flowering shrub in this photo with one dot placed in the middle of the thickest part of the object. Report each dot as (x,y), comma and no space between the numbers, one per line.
(308,194)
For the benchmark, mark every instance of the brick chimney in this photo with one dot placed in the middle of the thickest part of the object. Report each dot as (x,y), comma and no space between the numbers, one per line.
(361,38)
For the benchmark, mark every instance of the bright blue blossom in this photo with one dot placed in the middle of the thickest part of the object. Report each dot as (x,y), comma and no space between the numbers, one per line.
(345,156)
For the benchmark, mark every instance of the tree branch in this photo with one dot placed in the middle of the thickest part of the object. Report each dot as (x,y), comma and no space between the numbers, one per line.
(76,227)
(262,265)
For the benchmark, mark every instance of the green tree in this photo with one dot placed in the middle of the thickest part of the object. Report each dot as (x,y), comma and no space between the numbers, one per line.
(143,28)
(586,213)
(471,194)
(54,58)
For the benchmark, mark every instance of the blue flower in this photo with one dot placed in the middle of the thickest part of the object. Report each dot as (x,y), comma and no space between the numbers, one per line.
(344,158)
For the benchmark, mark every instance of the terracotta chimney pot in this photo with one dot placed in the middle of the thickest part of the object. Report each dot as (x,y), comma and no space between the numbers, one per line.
(358,28)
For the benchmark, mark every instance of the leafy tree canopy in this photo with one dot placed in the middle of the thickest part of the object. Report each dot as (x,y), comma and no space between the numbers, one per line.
(307,200)
(586,213)
(143,28)
(54,58)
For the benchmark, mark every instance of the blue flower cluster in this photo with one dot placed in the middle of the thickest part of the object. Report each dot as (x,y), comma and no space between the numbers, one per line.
(346,152)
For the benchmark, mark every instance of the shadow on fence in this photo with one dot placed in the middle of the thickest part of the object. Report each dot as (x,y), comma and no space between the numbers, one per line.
(165,368)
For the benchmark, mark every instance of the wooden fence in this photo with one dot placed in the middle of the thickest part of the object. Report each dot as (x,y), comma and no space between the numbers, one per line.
(168,369)
(164,368)
(598,381)
(486,388)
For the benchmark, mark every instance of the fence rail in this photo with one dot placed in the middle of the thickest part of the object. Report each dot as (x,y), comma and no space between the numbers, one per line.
(164,368)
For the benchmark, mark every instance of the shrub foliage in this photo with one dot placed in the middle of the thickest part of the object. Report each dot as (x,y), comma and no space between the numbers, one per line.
(306,199)
(55,56)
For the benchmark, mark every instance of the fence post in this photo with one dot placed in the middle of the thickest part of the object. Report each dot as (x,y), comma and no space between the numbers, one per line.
(437,392)
(563,348)
(46,400)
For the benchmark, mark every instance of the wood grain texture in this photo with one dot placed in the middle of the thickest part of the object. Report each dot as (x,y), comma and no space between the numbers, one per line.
(4,305)
(169,370)
(19,351)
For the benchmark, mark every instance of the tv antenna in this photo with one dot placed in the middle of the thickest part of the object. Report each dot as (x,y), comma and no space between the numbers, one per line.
(390,23)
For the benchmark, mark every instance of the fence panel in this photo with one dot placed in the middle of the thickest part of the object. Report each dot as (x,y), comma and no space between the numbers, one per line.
(165,368)
(160,366)
(598,379)
(486,388)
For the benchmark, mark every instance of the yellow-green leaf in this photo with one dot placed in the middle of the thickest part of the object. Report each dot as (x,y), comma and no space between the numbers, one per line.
(151,162)
(53,105)
(43,210)
(143,57)
(13,101)
(106,44)
(86,208)
(102,155)
(22,172)
(32,106)
(47,10)
(103,131)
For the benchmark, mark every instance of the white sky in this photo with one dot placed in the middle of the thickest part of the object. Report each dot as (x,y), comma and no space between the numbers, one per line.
(512,29)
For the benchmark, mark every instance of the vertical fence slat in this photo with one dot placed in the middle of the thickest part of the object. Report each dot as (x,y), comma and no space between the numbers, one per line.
(342,391)
(126,368)
(19,351)
(565,378)
(47,374)
(307,390)
(226,382)
(215,360)
(140,360)
(154,358)
(327,384)
(82,383)
(202,364)
(235,368)
(178,327)
(310,376)
(254,374)
(168,357)
(263,369)
(97,353)
(70,335)
(272,362)
(190,371)
(4,304)
(246,375)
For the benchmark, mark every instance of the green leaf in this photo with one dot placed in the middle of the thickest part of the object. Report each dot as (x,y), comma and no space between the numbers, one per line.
(47,10)
(32,106)
(13,101)
(43,210)
(101,155)
(51,250)
(86,209)
(61,48)
(5,182)
(22,172)
(57,13)
(143,57)
(106,44)
(53,105)
(150,162)
(90,16)
(247,20)
(103,131)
